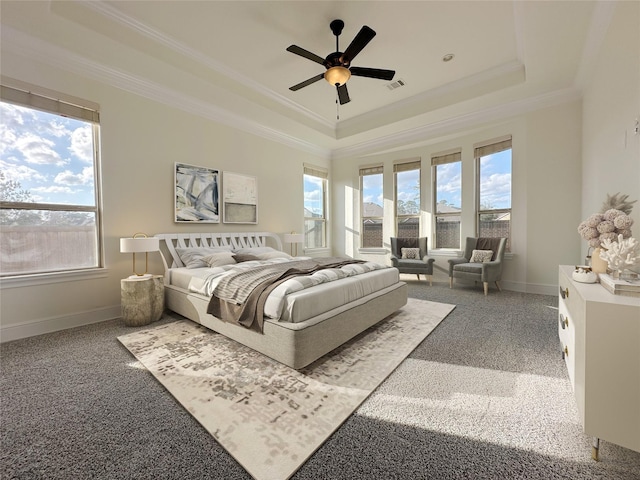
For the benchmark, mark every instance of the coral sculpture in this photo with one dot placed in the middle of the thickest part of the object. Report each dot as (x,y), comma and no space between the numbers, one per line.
(621,253)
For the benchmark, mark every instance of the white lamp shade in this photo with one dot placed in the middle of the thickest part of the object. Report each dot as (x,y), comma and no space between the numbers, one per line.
(139,244)
(293,237)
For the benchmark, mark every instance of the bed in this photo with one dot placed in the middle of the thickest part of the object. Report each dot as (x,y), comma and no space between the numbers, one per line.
(301,324)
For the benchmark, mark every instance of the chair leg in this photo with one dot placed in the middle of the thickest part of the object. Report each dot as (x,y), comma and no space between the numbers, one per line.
(486,287)
(498,285)
(430,280)
(418,275)
(450,282)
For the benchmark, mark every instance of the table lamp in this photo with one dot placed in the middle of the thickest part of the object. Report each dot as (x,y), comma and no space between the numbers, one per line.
(294,239)
(139,243)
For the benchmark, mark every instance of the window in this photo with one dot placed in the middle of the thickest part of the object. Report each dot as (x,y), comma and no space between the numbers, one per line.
(315,208)
(371,206)
(407,194)
(493,163)
(447,180)
(49,211)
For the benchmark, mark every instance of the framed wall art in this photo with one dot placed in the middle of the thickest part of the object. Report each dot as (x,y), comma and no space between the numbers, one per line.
(239,198)
(196,194)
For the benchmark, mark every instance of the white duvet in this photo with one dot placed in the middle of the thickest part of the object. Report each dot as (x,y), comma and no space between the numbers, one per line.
(295,300)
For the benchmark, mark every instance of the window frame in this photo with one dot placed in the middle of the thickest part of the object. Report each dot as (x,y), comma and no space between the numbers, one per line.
(369,171)
(482,150)
(54,103)
(437,160)
(323,175)
(406,166)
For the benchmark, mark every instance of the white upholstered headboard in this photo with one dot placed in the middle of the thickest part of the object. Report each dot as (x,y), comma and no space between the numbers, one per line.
(170,241)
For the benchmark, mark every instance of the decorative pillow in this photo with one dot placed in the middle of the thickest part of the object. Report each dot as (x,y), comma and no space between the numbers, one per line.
(219,259)
(192,257)
(244,257)
(412,253)
(481,256)
(274,254)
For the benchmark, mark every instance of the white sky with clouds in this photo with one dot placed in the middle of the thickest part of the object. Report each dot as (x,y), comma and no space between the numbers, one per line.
(51,156)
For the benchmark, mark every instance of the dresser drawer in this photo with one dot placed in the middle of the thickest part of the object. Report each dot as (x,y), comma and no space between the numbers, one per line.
(566,334)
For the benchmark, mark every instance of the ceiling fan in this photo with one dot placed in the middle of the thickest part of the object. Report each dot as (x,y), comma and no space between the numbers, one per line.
(338,64)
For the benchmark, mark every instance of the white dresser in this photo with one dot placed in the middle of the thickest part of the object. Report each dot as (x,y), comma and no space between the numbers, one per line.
(600,339)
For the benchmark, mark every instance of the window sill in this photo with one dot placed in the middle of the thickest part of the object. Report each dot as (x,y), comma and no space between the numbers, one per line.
(31,280)
(373,251)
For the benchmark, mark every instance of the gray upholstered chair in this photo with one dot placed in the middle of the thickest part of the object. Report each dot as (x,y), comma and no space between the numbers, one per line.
(485,272)
(420,265)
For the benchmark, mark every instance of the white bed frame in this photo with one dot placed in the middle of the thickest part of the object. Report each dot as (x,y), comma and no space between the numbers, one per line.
(294,344)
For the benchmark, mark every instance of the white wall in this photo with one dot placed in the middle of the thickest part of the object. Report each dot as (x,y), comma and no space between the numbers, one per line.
(141,140)
(611,148)
(545,195)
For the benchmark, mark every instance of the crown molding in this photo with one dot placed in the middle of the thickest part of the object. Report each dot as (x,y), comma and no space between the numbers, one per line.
(131,23)
(25,45)
(425,133)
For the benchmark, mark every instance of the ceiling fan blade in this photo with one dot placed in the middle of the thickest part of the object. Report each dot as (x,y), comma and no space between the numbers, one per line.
(372,73)
(343,94)
(307,82)
(305,53)
(360,41)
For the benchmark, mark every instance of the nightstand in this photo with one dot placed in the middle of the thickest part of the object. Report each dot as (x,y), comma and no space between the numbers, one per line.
(142,299)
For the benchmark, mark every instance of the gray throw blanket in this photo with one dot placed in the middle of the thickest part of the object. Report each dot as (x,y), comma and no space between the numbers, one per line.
(240,297)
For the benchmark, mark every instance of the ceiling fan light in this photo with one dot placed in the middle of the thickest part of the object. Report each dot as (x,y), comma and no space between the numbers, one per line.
(337,75)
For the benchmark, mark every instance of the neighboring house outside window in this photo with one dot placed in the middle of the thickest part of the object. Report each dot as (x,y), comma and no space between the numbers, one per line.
(315,207)
(371,207)
(49,207)
(493,164)
(447,180)
(407,198)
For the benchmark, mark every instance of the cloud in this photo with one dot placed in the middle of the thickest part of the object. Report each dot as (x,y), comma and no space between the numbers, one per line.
(53,189)
(82,143)
(70,178)
(37,150)
(496,190)
(21,173)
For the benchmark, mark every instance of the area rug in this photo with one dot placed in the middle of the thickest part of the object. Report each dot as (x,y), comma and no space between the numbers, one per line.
(269,417)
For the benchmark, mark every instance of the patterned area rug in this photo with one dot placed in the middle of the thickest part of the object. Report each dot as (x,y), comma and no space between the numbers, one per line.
(269,417)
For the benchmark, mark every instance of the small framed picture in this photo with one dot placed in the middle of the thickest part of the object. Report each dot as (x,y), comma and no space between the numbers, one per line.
(239,198)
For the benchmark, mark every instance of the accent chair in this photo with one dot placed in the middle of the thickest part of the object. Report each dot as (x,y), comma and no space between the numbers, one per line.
(413,261)
(472,266)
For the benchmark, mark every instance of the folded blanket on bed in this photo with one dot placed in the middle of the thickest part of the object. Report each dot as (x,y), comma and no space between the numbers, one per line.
(239,297)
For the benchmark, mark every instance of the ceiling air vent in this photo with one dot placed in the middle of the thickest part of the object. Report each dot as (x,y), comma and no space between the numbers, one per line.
(396,84)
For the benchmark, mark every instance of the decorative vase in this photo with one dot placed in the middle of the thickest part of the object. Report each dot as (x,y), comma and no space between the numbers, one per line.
(598,265)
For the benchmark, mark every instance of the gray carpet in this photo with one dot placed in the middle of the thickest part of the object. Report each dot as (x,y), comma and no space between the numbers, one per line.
(485,396)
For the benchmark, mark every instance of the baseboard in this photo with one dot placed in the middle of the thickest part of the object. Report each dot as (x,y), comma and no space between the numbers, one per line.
(535,288)
(54,324)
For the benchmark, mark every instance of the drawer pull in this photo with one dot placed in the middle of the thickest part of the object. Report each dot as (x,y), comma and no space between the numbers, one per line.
(565,352)
(564,292)
(564,321)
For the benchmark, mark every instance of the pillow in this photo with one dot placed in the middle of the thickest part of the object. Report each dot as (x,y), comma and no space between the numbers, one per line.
(481,256)
(413,253)
(192,257)
(219,259)
(244,257)
(255,250)
(274,254)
